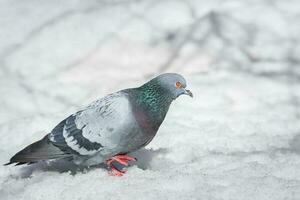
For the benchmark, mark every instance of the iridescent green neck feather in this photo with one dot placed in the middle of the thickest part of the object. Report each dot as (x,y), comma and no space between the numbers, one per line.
(153,100)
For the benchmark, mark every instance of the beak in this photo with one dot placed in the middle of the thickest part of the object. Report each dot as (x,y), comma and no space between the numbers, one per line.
(188,92)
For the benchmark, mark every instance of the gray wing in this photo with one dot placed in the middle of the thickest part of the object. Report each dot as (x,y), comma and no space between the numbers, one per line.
(97,128)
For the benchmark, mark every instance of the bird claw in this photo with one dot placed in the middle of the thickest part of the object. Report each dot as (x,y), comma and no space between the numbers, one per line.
(116,172)
(122,159)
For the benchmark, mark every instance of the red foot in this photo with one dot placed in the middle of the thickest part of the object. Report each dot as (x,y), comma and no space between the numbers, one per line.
(122,159)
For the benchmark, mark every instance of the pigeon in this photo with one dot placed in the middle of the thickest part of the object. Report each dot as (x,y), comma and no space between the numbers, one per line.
(109,128)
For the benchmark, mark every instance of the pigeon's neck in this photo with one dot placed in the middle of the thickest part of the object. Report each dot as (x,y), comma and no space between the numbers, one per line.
(152,103)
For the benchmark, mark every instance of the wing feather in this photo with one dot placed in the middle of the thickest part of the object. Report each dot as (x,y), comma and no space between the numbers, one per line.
(97,128)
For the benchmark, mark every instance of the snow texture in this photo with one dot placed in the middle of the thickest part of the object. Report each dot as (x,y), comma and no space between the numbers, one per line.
(239,138)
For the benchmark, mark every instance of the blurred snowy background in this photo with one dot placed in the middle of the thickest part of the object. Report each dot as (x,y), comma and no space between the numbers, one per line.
(239,138)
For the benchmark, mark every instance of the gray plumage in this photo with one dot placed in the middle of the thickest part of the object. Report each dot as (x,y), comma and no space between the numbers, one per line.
(119,123)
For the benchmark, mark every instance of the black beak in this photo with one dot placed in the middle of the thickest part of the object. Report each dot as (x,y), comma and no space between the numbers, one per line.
(188,92)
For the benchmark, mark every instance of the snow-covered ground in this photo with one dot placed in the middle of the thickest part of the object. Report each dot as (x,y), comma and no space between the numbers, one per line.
(239,138)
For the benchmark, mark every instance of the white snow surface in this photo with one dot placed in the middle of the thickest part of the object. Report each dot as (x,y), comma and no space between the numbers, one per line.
(238,138)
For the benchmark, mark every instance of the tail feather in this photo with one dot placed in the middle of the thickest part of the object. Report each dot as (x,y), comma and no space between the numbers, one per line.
(40,150)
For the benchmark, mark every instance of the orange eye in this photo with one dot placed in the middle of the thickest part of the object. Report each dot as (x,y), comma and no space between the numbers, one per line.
(178,84)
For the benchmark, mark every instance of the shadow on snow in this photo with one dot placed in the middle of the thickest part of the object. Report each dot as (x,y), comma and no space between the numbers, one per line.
(144,160)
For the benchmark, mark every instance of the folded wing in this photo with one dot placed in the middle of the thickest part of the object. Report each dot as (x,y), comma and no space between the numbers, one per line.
(99,127)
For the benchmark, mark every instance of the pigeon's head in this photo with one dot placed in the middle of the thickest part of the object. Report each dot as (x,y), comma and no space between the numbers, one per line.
(174,84)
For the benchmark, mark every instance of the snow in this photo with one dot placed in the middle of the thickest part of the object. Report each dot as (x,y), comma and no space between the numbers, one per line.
(238,138)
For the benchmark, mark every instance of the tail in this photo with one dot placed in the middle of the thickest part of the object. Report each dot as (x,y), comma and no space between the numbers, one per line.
(40,150)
